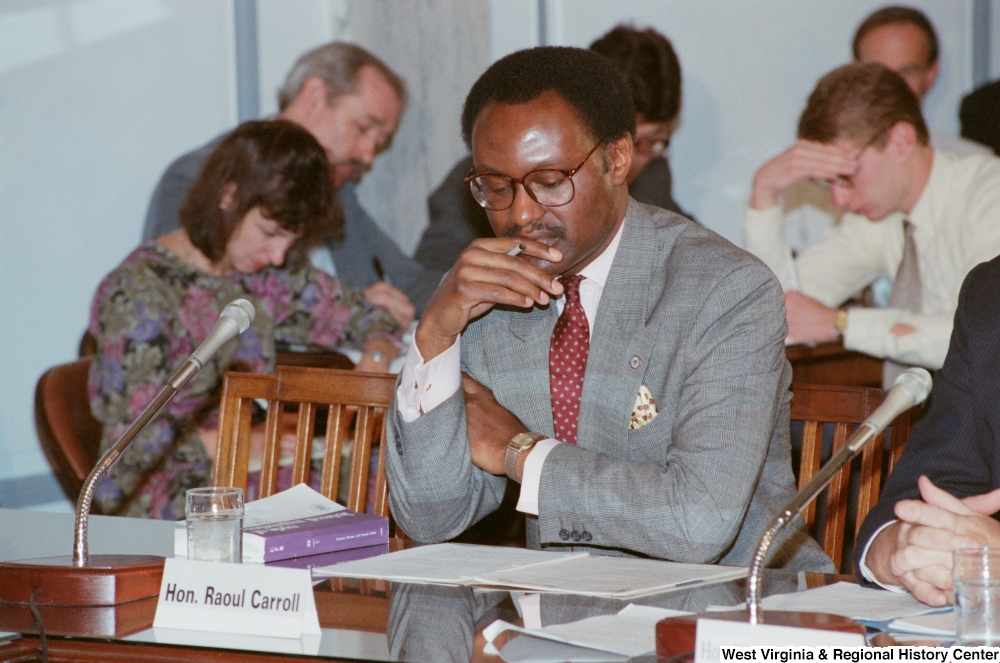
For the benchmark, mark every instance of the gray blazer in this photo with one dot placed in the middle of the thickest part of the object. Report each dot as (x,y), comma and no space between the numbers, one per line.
(701,324)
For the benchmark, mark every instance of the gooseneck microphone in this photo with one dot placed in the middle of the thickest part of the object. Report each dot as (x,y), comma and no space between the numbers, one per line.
(233,321)
(911,388)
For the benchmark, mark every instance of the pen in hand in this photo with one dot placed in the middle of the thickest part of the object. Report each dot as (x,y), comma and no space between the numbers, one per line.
(380,271)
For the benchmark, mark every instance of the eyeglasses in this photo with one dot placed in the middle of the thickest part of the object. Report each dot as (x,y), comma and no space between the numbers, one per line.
(550,187)
(846,181)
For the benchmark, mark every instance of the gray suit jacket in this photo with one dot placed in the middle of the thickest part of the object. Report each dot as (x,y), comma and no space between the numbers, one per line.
(352,253)
(701,324)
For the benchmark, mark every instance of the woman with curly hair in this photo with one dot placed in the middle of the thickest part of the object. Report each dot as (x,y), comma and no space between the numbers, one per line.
(263,198)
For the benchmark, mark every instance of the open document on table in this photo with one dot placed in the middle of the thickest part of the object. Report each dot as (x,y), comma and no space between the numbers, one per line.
(574,573)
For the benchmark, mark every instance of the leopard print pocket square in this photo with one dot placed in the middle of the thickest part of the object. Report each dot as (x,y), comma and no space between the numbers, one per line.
(644,410)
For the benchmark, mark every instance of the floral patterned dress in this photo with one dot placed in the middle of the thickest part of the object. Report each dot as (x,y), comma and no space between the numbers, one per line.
(150,313)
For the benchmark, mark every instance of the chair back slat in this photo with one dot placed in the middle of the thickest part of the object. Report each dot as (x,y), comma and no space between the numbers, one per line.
(303,442)
(365,422)
(812,449)
(836,500)
(844,408)
(340,394)
(333,447)
(272,453)
(239,390)
(381,485)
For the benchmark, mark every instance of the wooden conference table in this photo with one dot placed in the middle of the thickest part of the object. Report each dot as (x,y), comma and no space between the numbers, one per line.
(362,620)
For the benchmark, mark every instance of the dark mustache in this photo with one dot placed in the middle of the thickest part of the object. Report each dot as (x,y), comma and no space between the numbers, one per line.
(537,226)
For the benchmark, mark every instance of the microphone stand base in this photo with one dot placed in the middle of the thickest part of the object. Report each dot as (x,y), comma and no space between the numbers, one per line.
(676,635)
(105,580)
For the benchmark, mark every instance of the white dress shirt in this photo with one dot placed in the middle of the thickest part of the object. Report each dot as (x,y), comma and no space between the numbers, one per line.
(424,386)
(955,225)
(810,214)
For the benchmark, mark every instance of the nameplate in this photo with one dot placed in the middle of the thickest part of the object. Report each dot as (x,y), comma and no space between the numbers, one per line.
(249,599)
(713,634)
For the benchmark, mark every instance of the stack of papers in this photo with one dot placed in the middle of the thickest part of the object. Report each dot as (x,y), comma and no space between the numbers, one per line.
(570,573)
(847,600)
(941,623)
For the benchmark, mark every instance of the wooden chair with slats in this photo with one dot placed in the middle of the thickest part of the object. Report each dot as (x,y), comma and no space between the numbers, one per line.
(844,408)
(340,393)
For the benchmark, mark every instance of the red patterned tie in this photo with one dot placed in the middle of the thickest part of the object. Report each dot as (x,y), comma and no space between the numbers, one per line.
(568,361)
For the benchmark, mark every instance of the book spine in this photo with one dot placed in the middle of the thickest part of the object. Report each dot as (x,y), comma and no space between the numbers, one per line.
(325,539)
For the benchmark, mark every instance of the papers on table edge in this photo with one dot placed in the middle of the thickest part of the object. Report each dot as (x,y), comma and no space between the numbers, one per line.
(847,600)
(939,623)
(500,567)
(637,622)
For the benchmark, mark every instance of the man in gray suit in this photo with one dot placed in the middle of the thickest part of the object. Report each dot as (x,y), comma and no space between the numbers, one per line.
(350,101)
(662,433)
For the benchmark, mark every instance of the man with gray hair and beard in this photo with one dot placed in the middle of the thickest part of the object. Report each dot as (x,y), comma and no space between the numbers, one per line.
(351,102)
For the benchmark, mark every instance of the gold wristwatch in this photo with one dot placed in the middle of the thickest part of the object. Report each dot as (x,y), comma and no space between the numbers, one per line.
(840,322)
(517,444)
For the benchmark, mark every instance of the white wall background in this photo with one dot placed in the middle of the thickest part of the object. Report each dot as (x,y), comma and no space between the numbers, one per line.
(95,97)
(748,68)
(98,96)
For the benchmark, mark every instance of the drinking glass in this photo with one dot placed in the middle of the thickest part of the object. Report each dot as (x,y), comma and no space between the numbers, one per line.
(976,579)
(215,524)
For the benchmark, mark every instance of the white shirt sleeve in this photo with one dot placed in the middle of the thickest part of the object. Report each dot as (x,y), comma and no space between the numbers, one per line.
(869,331)
(764,236)
(422,387)
(866,573)
(531,478)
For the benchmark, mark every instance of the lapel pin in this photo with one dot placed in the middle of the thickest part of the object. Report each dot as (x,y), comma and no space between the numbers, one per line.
(635,362)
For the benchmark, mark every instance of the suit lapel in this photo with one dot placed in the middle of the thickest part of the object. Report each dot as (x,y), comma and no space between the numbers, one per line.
(622,341)
(518,360)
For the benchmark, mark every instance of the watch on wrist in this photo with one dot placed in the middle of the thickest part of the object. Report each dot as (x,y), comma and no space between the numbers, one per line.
(517,444)
(840,322)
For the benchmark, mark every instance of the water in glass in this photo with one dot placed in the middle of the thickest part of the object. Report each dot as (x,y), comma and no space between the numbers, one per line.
(977,612)
(215,537)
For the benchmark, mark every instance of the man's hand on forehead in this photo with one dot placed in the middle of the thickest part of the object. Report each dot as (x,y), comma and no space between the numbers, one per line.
(804,160)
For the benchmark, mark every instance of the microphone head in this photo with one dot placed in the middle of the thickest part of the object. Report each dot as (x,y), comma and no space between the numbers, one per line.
(240,311)
(917,380)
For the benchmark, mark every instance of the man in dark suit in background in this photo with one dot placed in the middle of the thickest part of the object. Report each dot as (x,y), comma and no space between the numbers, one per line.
(647,61)
(980,116)
(942,492)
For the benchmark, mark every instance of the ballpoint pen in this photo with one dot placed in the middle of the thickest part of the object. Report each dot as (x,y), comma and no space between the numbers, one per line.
(380,271)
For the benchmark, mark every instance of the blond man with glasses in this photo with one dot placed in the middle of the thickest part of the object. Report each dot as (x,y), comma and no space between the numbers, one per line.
(921,217)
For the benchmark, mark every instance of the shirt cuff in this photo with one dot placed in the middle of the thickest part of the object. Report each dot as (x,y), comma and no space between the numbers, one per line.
(422,387)
(866,573)
(531,478)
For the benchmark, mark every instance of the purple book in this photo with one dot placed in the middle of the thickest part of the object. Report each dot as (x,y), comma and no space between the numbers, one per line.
(323,533)
(326,559)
